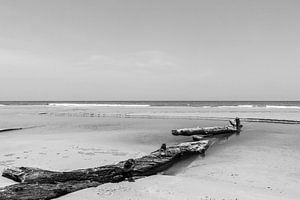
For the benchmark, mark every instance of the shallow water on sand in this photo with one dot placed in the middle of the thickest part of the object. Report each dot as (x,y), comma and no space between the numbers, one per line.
(263,156)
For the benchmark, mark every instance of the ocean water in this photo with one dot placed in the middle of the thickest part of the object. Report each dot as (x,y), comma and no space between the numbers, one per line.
(267,104)
(251,111)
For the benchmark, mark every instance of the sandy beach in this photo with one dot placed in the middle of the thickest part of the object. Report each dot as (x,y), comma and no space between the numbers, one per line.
(96,95)
(260,163)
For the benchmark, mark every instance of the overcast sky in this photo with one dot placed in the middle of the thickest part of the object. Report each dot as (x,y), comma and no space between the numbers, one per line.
(149,50)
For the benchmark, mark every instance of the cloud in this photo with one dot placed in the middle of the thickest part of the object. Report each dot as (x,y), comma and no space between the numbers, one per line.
(146,61)
(20,65)
(21,58)
(17,58)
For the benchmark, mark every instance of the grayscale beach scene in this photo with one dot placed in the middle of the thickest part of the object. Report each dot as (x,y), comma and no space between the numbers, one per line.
(149,100)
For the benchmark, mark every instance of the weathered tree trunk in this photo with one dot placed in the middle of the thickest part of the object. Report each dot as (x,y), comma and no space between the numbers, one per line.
(34,191)
(16,129)
(210,131)
(10,129)
(38,184)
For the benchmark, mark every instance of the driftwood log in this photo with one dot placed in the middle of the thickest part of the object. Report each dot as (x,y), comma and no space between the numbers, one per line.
(10,129)
(210,131)
(16,129)
(39,184)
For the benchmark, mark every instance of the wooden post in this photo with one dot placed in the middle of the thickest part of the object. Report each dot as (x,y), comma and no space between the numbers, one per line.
(238,124)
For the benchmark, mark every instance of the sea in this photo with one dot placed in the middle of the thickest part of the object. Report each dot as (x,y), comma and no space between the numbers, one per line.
(255,111)
(266,104)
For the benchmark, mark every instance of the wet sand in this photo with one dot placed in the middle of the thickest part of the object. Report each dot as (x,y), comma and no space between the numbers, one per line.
(263,162)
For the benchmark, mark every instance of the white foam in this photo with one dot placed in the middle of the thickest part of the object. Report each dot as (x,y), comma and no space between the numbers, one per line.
(206,106)
(283,107)
(237,106)
(245,106)
(96,105)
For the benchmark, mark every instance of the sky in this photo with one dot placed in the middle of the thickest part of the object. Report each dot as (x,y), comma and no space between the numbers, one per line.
(149,50)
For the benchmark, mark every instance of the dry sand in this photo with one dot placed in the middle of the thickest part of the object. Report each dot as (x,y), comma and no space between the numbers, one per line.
(176,187)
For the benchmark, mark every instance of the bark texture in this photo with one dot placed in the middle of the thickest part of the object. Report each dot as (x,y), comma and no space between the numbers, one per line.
(235,127)
(208,131)
(39,184)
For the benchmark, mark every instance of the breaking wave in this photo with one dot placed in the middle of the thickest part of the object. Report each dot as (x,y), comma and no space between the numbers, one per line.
(237,106)
(283,107)
(96,105)
(222,105)
(256,106)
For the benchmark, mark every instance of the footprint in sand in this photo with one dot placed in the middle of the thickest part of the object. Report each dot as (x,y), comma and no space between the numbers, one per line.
(234,175)
(9,155)
(7,162)
(119,154)
(86,153)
